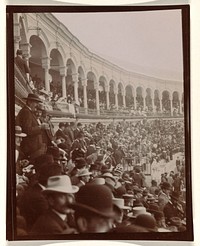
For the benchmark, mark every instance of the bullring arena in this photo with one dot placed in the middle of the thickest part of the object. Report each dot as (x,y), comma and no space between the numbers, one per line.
(121,128)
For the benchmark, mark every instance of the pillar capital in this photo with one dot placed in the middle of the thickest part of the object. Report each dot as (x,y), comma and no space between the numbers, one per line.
(75,77)
(62,71)
(45,62)
(84,82)
(107,88)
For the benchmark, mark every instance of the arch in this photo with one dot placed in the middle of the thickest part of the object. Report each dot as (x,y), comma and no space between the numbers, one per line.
(41,35)
(103,81)
(57,46)
(91,92)
(176,101)
(166,101)
(57,60)
(37,52)
(148,99)
(139,98)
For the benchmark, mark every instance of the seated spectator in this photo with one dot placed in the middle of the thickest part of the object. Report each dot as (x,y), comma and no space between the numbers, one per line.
(94,215)
(59,194)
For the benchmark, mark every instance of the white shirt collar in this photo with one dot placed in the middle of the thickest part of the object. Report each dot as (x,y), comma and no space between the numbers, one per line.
(62,216)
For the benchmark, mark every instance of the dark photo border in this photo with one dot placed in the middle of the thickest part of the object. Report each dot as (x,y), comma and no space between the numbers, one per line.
(11,175)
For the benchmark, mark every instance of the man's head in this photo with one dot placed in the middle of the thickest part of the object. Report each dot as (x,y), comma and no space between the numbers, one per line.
(19,52)
(94,211)
(32,101)
(166,188)
(62,125)
(18,135)
(84,175)
(59,193)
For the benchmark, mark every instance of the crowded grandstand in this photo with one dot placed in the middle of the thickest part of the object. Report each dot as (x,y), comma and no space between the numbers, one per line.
(94,153)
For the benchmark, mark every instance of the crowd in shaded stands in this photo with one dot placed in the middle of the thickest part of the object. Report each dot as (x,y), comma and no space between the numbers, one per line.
(76,181)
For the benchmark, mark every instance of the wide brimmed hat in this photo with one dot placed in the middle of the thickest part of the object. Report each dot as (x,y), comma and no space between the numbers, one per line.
(18,132)
(84,172)
(120,203)
(175,195)
(33,97)
(137,211)
(94,198)
(166,185)
(147,221)
(61,183)
(154,209)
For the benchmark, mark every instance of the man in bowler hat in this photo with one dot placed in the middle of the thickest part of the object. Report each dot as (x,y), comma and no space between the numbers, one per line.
(32,145)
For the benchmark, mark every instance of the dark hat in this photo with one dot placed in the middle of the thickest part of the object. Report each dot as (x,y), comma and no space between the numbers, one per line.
(61,124)
(130,228)
(49,169)
(175,195)
(137,203)
(87,200)
(95,167)
(147,221)
(79,124)
(33,97)
(154,209)
(19,52)
(41,160)
(80,162)
(166,185)
(77,153)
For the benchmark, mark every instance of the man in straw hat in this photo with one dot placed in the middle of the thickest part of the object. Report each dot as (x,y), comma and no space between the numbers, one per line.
(83,176)
(94,209)
(32,145)
(59,194)
(18,139)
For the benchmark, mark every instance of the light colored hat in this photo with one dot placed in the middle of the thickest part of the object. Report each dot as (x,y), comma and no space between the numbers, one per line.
(119,202)
(84,172)
(108,175)
(18,132)
(61,183)
(136,211)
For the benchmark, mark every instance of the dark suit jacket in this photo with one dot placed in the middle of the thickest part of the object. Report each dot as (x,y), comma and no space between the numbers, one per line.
(50,223)
(32,204)
(33,141)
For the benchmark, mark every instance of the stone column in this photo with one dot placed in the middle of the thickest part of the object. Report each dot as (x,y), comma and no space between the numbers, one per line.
(134,99)
(63,78)
(75,82)
(97,99)
(107,97)
(153,105)
(180,109)
(116,100)
(46,66)
(124,99)
(144,102)
(171,108)
(85,95)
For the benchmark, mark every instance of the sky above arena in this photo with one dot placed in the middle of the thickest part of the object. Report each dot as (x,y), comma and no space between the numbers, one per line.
(146,42)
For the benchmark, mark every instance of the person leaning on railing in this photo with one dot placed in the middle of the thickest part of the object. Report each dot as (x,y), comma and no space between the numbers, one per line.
(22,65)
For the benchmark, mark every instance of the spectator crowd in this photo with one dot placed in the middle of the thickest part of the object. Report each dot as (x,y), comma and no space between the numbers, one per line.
(91,178)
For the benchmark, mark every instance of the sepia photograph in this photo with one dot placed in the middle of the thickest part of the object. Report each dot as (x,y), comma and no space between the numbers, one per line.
(99,123)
